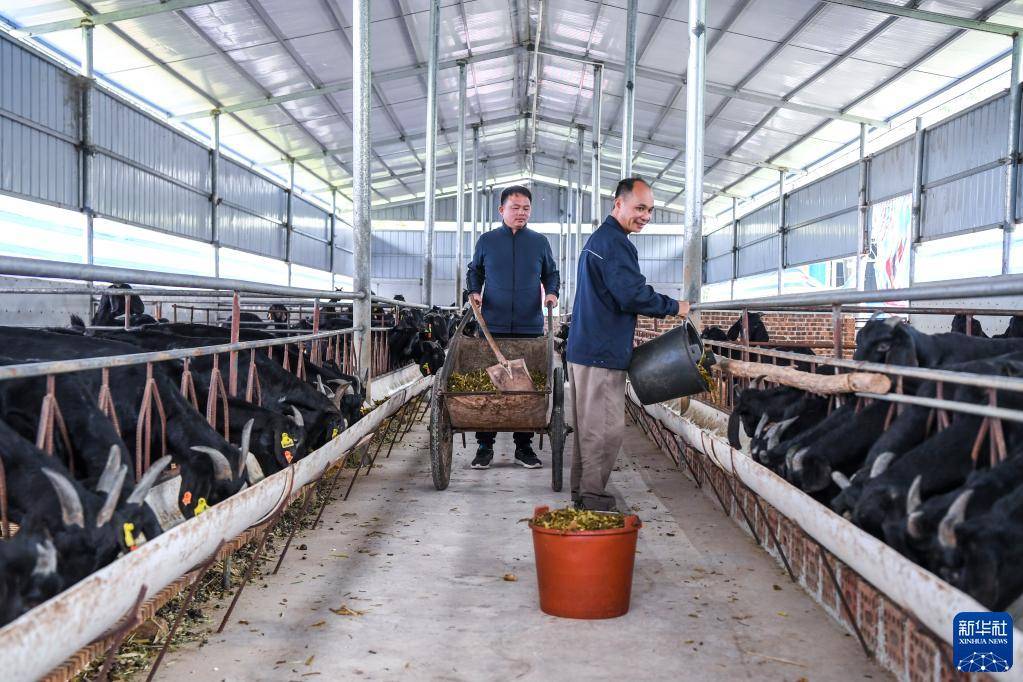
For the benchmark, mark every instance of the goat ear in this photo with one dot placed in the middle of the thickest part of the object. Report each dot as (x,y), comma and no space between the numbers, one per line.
(903,350)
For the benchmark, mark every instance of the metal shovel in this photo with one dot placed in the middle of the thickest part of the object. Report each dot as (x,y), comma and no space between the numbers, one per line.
(508,375)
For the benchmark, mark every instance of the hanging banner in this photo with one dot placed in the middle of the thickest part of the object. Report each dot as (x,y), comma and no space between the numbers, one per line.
(890,242)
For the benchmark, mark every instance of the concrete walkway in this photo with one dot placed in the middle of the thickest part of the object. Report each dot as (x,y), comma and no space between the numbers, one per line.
(422,574)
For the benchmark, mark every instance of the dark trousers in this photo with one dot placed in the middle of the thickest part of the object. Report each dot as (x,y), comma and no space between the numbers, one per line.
(521,438)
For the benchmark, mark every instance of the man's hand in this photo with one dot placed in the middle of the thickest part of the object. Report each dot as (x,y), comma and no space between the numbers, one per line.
(683,307)
(477,299)
(550,300)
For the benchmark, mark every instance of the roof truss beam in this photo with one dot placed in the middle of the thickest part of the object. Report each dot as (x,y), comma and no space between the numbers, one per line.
(724,90)
(930,17)
(99,19)
(340,86)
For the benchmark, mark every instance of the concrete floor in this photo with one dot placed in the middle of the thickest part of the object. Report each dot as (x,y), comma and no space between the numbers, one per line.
(425,569)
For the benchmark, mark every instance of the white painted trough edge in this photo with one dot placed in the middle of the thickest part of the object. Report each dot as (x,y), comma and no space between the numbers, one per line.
(46,636)
(912,587)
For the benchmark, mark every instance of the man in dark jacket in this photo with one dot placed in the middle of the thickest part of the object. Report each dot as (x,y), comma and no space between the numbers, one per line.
(610,292)
(513,261)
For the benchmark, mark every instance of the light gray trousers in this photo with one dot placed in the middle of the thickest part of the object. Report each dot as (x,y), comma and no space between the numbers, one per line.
(598,407)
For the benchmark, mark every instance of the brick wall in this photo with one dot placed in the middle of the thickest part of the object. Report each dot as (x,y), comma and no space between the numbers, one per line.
(806,328)
(896,639)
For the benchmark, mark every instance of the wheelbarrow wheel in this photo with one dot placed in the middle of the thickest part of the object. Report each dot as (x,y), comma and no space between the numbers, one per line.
(557,429)
(441,443)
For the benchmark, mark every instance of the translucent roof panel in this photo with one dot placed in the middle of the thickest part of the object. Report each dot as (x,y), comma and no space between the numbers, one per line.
(796,68)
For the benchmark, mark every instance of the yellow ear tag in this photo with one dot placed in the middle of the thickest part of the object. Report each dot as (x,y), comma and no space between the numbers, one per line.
(333,434)
(426,367)
(129,538)
(201,506)
(286,440)
(186,499)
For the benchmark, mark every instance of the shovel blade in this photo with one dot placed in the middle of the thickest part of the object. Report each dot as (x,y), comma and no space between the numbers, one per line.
(513,377)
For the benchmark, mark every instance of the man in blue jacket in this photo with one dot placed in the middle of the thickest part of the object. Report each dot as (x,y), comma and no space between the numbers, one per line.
(610,292)
(513,262)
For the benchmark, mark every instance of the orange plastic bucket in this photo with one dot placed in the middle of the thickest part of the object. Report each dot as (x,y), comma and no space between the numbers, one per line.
(585,574)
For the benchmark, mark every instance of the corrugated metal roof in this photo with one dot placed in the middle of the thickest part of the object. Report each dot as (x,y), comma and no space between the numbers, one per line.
(809,52)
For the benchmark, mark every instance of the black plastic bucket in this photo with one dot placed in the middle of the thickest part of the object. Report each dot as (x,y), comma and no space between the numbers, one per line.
(665,368)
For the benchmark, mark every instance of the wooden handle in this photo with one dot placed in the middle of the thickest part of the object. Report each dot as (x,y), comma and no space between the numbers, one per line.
(486,332)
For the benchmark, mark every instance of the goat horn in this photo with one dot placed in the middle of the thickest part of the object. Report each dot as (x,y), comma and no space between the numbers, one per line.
(797,459)
(881,464)
(221,467)
(913,528)
(788,457)
(956,514)
(106,512)
(106,479)
(70,504)
(774,437)
(138,495)
(913,499)
(46,558)
(760,425)
(876,315)
(246,440)
(296,416)
(840,479)
(893,321)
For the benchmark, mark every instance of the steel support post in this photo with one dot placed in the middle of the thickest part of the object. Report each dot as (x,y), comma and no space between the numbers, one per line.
(781,232)
(475,194)
(862,225)
(1012,170)
(570,211)
(692,275)
(215,193)
(916,217)
(289,224)
(629,96)
(598,95)
(580,167)
(363,308)
(563,247)
(332,226)
(460,193)
(86,133)
(735,248)
(431,153)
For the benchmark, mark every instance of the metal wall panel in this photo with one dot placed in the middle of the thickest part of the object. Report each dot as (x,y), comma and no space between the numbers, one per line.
(976,201)
(758,258)
(148,174)
(719,242)
(254,193)
(344,245)
(39,102)
(36,89)
(831,238)
(129,194)
(891,171)
(718,269)
(827,196)
(759,224)
(971,139)
(39,166)
(247,232)
(309,251)
(310,220)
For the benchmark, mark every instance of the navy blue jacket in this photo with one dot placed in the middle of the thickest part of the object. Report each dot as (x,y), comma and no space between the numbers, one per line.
(610,292)
(513,266)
